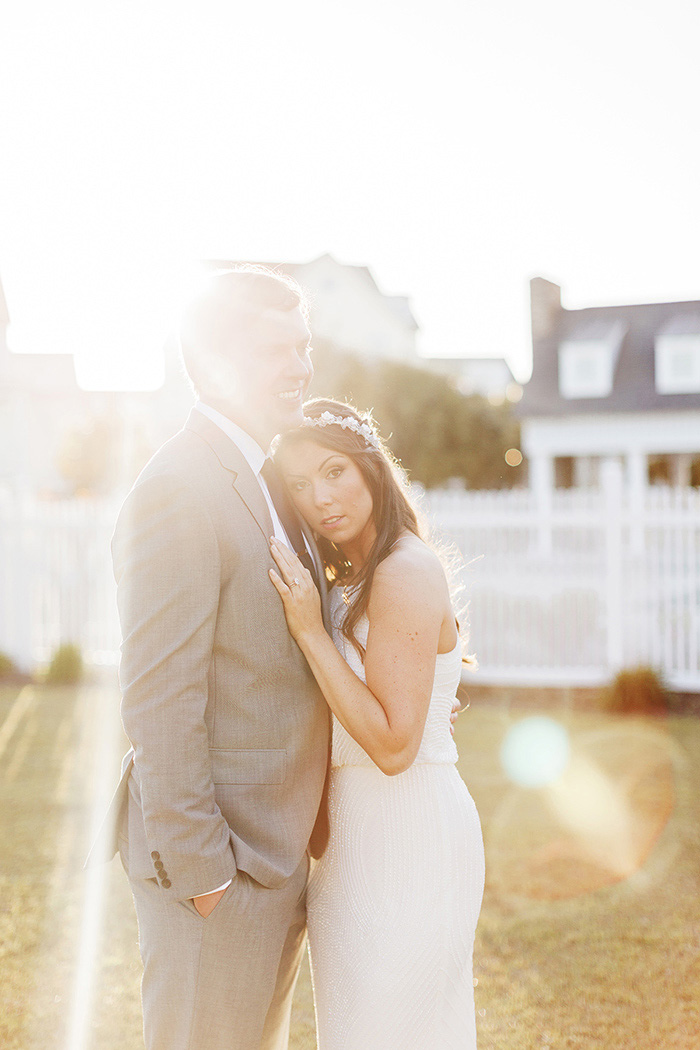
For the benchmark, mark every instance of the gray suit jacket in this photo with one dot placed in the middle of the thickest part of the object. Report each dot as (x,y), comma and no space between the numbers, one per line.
(229,730)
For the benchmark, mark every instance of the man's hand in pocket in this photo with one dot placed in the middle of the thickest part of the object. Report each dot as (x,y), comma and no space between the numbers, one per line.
(206,902)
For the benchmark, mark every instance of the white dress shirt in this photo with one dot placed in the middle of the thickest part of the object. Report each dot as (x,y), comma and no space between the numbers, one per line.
(254,457)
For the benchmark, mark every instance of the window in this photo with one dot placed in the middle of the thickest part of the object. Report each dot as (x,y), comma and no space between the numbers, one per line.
(587,360)
(585,370)
(678,363)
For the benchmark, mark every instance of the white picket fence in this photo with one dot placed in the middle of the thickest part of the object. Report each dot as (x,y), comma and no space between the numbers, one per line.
(566,594)
(56,581)
(596,584)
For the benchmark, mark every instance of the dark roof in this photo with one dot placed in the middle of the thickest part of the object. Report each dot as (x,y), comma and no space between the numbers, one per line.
(634,390)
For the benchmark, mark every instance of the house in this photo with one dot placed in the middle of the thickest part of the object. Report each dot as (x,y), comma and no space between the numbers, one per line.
(489,376)
(612,383)
(349,310)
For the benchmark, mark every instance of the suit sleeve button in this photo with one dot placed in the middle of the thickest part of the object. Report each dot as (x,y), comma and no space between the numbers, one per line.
(158,865)
(166,884)
(155,855)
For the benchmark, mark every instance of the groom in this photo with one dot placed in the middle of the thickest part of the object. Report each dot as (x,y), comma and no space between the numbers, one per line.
(221,791)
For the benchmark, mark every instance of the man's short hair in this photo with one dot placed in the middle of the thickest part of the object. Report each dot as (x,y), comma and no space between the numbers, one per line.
(226,303)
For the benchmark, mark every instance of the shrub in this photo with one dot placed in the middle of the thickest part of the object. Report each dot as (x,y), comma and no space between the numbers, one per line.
(8,669)
(66,667)
(636,691)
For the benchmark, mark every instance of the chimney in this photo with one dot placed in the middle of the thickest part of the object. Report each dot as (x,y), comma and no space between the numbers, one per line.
(545,306)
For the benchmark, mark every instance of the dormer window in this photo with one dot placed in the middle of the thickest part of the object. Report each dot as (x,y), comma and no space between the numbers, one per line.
(677,356)
(587,360)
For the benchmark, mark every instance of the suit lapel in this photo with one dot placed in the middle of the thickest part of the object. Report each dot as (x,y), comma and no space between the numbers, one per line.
(232,459)
(248,488)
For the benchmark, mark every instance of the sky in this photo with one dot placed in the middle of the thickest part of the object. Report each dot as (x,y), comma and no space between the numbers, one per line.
(457,148)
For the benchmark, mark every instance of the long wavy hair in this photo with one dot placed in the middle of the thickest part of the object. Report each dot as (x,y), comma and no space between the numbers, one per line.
(393,512)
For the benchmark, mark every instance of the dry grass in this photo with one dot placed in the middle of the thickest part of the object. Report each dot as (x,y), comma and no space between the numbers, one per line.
(590,929)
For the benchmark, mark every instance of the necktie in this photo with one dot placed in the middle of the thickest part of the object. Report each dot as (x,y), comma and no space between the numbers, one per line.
(287,515)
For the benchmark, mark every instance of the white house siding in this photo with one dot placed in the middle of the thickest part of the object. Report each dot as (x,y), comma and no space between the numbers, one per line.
(628,433)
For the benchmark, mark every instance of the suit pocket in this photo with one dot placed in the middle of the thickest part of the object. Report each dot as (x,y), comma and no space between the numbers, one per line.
(245,766)
(189,905)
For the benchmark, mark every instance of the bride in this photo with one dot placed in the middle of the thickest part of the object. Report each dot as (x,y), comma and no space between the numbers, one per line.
(393,902)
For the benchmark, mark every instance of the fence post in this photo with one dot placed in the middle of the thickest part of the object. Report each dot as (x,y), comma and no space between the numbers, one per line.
(636,487)
(542,484)
(611,477)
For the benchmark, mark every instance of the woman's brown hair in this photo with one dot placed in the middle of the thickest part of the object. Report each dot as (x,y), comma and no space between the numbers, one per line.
(392,510)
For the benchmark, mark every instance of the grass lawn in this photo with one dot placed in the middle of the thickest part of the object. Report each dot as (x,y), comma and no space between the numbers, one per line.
(590,930)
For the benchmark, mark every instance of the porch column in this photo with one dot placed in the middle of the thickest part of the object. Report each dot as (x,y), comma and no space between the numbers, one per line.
(681,470)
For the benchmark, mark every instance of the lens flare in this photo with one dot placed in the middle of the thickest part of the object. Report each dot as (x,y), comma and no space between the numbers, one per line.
(535,751)
(99,713)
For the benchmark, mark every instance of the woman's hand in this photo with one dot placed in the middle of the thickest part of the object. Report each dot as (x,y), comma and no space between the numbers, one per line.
(296,588)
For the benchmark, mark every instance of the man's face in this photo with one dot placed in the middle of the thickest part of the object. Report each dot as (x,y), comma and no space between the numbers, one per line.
(269,371)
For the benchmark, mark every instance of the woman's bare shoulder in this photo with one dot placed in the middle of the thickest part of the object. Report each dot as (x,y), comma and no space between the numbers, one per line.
(411,572)
(413,554)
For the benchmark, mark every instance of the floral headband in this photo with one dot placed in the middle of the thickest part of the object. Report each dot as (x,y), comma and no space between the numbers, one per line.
(327,419)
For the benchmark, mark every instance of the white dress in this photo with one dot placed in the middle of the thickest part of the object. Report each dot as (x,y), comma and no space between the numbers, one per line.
(393,903)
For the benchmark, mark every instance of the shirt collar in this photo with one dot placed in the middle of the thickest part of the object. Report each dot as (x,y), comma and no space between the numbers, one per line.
(248,446)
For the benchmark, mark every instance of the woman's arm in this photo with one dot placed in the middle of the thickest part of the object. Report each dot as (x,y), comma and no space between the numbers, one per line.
(387,716)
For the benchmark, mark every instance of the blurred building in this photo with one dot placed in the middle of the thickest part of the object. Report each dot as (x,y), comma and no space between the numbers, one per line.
(489,376)
(46,417)
(45,414)
(620,382)
(349,310)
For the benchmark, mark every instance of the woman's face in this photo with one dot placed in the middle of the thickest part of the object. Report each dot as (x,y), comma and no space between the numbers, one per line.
(330,493)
